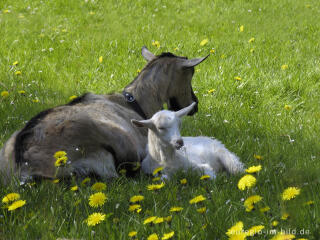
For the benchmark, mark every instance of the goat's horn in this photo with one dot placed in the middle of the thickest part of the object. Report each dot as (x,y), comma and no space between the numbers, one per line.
(193,62)
(185,111)
(147,54)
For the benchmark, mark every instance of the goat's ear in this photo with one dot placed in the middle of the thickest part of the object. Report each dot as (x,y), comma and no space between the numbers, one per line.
(143,123)
(193,62)
(147,54)
(185,111)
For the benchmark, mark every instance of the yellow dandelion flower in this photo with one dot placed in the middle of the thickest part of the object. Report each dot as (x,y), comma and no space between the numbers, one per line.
(274,223)
(56,180)
(134,207)
(254,230)
(4,94)
(95,219)
(100,59)
(249,208)
(167,235)
(203,227)
(153,187)
(254,169)
(252,50)
(149,220)
(74,188)
(61,161)
(35,100)
(85,181)
(258,157)
(241,28)
(158,220)
(202,210)
(240,236)
(285,216)
(72,97)
(211,91)
(17,72)
(153,236)
(99,186)
(15,63)
(204,42)
(6,11)
(212,51)
(183,181)
(11,197)
(159,169)
(283,236)
(287,107)
(16,204)
(290,193)
(198,70)
(168,219)
(156,44)
(247,181)
(248,203)
(308,203)
(204,177)
(97,199)
(21,92)
(251,40)
(132,234)
(138,70)
(223,56)
(264,209)
(237,78)
(155,179)
(284,67)
(235,229)
(197,199)
(176,209)
(137,198)
(176,49)
(92,13)
(60,154)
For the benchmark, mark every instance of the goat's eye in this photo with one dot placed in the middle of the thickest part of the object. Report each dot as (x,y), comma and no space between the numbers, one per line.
(161,128)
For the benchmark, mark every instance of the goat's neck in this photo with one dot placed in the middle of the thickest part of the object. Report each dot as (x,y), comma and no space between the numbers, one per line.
(160,152)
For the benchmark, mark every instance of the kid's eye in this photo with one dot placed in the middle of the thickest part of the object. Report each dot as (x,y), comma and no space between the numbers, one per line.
(161,128)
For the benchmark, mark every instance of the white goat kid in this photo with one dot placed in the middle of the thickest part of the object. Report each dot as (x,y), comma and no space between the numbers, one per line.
(167,149)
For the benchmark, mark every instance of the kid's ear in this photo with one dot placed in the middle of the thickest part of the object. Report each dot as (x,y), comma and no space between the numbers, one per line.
(143,123)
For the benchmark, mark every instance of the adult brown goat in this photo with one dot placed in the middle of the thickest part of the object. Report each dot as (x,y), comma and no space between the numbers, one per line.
(95,130)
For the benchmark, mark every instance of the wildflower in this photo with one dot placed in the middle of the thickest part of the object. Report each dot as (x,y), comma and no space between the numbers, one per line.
(255,229)
(11,197)
(258,157)
(308,203)
(72,97)
(138,70)
(56,180)
(251,50)
(100,59)
(95,219)
(134,207)
(16,204)
(248,203)
(21,92)
(149,220)
(156,44)
(60,154)
(153,236)
(203,227)
(198,70)
(238,78)
(247,181)
(235,229)
(4,94)
(85,181)
(74,188)
(176,49)
(204,177)
(204,42)
(251,40)
(18,73)
(61,161)
(132,234)
(15,63)
(223,56)
(290,193)
(35,100)
(156,179)
(254,169)
(159,169)
(264,209)
(168,219)
(287,107)
(92,13)
(158,220)
(176,209)
(212,51)
(241,28)
(183,181)
(152,187)
(167,235)
(97,199)
(137,198)
(197,199)
(202,210)
(284,67)
(274,223)
(283,236)
(211,91)
(285,216)
(99,186)
(6,11)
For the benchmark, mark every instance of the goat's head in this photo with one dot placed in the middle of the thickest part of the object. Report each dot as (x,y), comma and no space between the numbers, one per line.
(166,125)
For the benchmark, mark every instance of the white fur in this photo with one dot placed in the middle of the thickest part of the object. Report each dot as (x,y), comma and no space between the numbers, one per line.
(203,154)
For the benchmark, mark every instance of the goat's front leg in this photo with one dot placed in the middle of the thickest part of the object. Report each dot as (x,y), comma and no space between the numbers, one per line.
(148,165)
(207,170)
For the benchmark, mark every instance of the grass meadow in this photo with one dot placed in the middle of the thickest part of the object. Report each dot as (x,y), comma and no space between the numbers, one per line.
(259,93)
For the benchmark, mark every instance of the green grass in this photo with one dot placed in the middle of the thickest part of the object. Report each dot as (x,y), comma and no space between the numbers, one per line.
(247,115)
